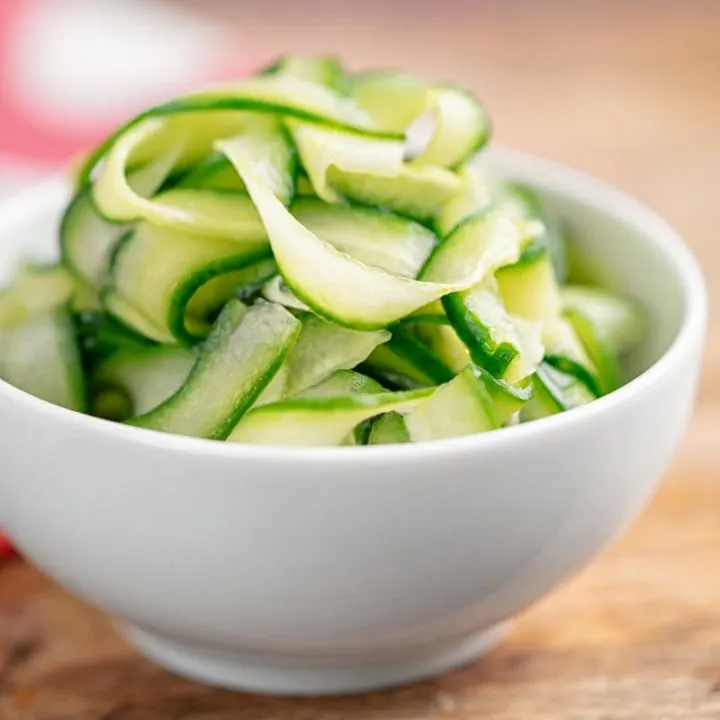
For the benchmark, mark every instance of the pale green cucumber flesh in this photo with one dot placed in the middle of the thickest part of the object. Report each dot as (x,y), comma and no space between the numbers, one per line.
(461,407)
(389,429)
(239,359)
(41,357)
(389,242)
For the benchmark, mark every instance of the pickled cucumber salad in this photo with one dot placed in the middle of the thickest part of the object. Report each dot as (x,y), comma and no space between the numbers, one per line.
(310,257)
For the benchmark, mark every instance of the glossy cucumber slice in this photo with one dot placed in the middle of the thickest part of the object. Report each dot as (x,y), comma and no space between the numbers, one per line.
(407,362)
(507,399)
(213,213)
(275,290)
(326,71)
(416,192)
(319,420)
(620,320)
(238,360)
(34,290)
(530,289)
(332,283)
(507,347)
(40,355)
(219,111)
(601,352)
(554,392)
(147,376)
(397,100)
(389,429)
(87,240)
(322,149)
(380,239)
(477,248)
(323,348)
(215,172)
(461,407)
(176,281)
(445,344)
(565,351)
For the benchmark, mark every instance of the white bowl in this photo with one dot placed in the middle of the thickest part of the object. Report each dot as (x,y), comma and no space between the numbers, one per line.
(342,569)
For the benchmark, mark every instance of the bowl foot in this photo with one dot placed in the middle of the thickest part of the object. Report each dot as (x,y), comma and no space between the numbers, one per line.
(307,675)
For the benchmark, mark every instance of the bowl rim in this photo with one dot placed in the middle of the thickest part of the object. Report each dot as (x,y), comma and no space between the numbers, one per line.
(542,172)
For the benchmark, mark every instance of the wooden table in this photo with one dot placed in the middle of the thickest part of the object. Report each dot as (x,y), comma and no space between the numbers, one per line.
(632,96)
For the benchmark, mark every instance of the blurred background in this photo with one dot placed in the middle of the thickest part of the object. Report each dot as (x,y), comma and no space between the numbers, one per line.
(628,90)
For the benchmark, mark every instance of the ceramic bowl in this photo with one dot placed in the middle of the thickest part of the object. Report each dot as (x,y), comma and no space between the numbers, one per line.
(343,569)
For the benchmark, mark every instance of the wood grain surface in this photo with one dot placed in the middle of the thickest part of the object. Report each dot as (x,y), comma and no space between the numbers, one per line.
(627,91)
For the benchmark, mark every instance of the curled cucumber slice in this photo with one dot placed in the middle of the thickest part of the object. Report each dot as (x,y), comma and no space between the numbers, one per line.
(239,359)
(380,239)
(507,347)
(620,320)
(323,149)
(218,112)
(212,213)
(553,392)
(325,71)
(145,376)
(419,193)
(176,281)
(319,420)
(40,355)
(406,362)
(389,429)
(397,100)
(461,407)
(323,348)
(35,289)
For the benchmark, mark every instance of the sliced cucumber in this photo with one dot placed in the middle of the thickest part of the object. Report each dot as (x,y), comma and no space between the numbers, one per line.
(215,172)
(325,71)
(620,320)
(477,247)
(323,348)
(530,289)
(600,350)
(219,111)
(177,281)
(35,290)
(566,352)
(407,362)
(507,399)
(323,148)
(304,188)
(461,407)
(332,283)
(554,392)
(389,429)
(100,335)
(445,344)
(506,347)
(275,290)
(553,232)
(212,213)
(238,360)
(318,420)
(397,100)
(475,194)
(416,192)
(147,377)
(342,383)
(389,242)
(40,355)
(87,240)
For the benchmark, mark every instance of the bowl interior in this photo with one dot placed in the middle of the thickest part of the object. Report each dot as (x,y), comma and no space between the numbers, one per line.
(624,246)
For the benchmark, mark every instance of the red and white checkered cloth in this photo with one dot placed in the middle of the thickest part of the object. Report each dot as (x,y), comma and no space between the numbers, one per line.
(72,69)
